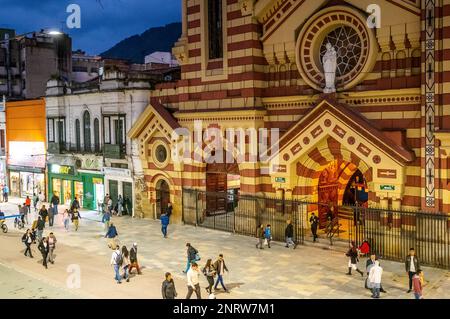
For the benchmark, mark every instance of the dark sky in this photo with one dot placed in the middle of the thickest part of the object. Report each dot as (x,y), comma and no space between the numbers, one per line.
(103,22)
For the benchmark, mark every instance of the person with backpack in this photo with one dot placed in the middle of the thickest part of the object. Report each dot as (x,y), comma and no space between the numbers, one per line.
(116,262)
(164,223)
(209,273)
(261,236)
(168,290)
(268,234)
(192,255)
(125,263)
(76,218)
(43,248)
(134,259)
(111,235)
(28,239)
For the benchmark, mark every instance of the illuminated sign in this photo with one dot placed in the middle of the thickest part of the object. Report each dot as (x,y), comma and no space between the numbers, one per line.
(280,180)
(29,154)
(387,187)
(62,169)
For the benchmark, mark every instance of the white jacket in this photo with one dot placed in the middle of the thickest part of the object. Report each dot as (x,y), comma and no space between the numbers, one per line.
(375,273)
(192,277)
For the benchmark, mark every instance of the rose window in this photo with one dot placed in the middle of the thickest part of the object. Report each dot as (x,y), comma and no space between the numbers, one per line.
(347,43)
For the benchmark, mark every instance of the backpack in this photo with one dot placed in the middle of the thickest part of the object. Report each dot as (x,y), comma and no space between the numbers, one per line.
(119,259)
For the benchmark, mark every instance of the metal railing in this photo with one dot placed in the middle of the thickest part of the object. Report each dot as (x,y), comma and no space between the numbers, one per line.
(389,233)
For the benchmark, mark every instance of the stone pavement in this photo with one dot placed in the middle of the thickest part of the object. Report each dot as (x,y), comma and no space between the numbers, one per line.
(306,272)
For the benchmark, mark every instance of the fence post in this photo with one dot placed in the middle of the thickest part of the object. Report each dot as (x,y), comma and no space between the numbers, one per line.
(196,207)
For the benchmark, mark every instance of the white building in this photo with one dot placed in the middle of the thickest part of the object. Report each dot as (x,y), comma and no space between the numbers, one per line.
(90,154)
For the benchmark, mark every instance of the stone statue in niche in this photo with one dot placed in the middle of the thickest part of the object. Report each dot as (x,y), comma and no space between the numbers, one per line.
(329,62)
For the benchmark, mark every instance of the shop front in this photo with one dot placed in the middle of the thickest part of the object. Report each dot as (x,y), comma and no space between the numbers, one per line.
(67,182)
(26,181)
(118,181)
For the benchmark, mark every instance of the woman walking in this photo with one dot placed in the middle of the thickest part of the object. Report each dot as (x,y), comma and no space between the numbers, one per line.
(125,263)
(352,255)
(210,273)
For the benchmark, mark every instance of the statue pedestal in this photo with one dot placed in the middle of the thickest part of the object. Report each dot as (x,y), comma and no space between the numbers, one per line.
(329,90)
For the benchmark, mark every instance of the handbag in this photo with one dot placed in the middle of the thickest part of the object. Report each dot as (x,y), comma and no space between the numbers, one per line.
(197,257)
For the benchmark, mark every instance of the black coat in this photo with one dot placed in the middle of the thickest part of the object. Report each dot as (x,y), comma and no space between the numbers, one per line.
(217,266)
(353,254)
(314,221)
(408,263)
(75,204)
(43,249)
(168,290)
(260,233)
(43,213)
(55,200)
(40,224)
(289,232)
(191,252)
(133,255)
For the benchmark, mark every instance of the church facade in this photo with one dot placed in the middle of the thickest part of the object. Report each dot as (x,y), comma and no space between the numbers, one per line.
(334,95)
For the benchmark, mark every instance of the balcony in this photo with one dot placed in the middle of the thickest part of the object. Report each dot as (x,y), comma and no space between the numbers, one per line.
(56,148)
(114,151)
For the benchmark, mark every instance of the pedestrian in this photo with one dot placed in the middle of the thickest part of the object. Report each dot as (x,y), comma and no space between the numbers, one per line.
(111,235)
(119,205)
(352,255)
(76,218)
(25,212)
(210,273)
(75,204)
(5,193)
(43,248)
(125,263)
(110,206)
(28,239)
(314,222)
(51,240)
(375,274)
(116,262)
(40,225)
(51,217)
(128,205)
(192,256)
(164,223)
(193,281)
(289,234)
(41,199)
(35,202)
(261,236)
(66,219)
(418,284)
(28,204)
(169,210)
(22,213)
(268,235)
(134,260)
(55,202)
(106,219)
(369,263)
(43,212)
(105,202)
(168,290)
(411,266)
(220,267)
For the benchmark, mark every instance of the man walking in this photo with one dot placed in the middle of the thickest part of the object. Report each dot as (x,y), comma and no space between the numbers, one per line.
(106,219)
(191,256)
(164,224)
(314,222)
(134,259)
(51,217)
(220,267)
(40,228)
(51,240)
(116,262)
(289,234)
(5,193)
(111,235)
(193,281)
(375,279)
(168,290)
(43,212)
(43,248)
(76,218)
(369,264)
(411,266)
(54,202)
(260,235)
(28,239)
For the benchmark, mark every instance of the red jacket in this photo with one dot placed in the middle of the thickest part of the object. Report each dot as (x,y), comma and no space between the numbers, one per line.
(417,285)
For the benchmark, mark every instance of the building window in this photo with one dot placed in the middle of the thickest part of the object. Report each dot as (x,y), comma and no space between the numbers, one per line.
(87,131)
(61,131)
(51,130)
(2,142)
(215,36)
(78,135)
(97,135)
(161,153)
(106,133)
(119,131)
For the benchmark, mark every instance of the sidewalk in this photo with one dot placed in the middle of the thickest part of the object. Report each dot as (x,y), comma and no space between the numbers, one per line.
(306,272)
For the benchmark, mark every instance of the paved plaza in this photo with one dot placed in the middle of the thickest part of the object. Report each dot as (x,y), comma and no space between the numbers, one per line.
(307,272)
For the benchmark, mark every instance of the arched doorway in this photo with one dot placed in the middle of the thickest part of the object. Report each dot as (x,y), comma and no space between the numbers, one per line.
(162,197)
(328,193)
(222,187)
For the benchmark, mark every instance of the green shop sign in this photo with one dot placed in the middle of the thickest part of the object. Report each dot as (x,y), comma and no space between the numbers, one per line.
(387,187)
(280,180)
(62,169)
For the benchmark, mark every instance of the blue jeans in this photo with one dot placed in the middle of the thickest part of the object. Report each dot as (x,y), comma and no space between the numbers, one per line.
(188,266)
(376,292)
(125,272)
(220,279)
(289,241)
(55,209)
(116,270)
(164,230)
(417,295)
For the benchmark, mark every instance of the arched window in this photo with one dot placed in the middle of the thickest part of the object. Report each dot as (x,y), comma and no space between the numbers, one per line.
(215,35)
(401,64)
(87,131)
(386,65)
(78,135)
(96,136)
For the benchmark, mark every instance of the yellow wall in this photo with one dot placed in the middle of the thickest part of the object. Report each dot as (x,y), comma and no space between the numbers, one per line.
(25,121)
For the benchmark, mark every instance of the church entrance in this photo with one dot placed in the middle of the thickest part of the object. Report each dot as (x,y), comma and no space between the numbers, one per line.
(162,197)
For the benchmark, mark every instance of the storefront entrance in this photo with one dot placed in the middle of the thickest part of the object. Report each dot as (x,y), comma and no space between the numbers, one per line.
(23,184)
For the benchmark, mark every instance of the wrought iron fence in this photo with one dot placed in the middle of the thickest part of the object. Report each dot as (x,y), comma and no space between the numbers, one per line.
(389,233)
